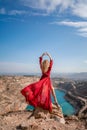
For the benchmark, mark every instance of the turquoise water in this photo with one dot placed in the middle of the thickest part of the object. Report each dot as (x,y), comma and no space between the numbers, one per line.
(67,108)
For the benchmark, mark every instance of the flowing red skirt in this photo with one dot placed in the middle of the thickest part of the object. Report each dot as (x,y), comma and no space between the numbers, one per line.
(38,94)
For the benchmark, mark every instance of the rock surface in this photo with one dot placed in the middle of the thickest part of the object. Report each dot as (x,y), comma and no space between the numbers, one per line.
(56,114)
(24,120)
(10,96)
(14,117)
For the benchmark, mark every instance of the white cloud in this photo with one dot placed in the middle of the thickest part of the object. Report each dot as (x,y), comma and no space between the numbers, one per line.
(38,14)
(79,8)
(17,12)
(2,11)
(47,5)
(82,34)
(81,26)
(13,12)
(76,7)
(72,24)
(84,29)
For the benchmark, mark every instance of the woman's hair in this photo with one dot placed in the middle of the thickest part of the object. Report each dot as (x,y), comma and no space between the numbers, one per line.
(45,66)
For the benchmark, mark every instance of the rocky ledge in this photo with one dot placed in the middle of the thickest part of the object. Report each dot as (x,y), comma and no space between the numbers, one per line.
(13,115)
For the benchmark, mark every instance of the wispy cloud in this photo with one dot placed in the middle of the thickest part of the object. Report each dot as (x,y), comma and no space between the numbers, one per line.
(76,7)
(13,12)
(2,11)
(22,12)
(38,14)
(79,8)
(9,19)
(17,12)
(72,23)
(83,29)
(47,5)
(82,34)
(85,61)
(81,26)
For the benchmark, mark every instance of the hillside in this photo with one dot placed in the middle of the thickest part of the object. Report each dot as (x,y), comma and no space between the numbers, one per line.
(13,115)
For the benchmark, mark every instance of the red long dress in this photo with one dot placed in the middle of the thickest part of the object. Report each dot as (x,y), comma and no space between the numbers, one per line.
(38,94)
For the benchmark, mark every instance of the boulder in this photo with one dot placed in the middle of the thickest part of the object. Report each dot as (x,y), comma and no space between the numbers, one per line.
(56,114)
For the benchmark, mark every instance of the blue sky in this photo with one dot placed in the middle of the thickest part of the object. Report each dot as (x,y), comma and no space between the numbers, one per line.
(30,27)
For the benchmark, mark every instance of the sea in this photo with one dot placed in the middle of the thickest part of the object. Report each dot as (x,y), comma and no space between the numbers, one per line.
(67,108)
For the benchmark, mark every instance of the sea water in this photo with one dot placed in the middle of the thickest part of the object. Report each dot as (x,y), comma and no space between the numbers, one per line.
(67,108)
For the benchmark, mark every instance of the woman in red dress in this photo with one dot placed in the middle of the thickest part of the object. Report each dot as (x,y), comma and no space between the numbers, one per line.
(38,94)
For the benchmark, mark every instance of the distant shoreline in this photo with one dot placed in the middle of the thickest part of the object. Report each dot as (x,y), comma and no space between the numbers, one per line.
(72,76)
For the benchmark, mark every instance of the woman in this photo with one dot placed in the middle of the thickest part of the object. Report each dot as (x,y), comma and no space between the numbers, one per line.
(38,94)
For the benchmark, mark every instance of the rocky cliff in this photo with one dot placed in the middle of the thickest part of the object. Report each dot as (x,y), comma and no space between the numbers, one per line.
(13,115)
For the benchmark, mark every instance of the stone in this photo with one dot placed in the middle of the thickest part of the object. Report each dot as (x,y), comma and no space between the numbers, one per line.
(13,115)
(56,114)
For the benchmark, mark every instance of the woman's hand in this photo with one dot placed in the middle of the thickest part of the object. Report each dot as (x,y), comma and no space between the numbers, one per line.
(46,53)
(43,54)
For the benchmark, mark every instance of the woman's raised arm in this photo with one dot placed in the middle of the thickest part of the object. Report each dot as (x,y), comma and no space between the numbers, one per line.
(46,53)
